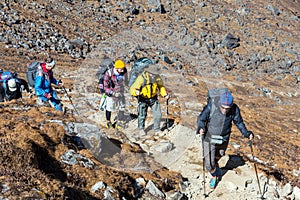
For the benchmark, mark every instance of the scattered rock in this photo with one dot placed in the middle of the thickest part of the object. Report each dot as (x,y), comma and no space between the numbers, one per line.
(98,186)
(154,190)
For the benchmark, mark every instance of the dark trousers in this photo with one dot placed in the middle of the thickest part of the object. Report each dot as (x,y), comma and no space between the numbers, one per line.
(213,153)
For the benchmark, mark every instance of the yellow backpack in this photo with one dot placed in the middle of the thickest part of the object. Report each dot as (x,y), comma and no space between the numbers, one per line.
(150,86)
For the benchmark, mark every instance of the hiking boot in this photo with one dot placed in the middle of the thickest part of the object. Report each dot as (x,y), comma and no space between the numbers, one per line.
(40,102)
(142,132)
(108,125)
(213,182)
(120,125)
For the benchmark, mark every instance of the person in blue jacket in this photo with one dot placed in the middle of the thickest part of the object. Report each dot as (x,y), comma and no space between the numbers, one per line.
(215,129)
(43,89)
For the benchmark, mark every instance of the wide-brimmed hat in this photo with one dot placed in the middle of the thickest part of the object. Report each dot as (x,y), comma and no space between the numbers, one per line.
(12,85)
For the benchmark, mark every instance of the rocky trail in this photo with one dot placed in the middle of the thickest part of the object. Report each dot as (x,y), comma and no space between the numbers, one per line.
(179,149)
(251,47)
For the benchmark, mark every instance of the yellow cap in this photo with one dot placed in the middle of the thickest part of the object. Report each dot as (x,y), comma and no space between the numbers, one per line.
(119,64)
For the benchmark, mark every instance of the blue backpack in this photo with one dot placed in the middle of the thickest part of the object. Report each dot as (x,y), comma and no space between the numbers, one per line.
(5,76)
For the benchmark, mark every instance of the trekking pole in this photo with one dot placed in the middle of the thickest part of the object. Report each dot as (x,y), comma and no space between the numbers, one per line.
(138,108)
(255,168)
(167,113)
(63,87)
(203,168)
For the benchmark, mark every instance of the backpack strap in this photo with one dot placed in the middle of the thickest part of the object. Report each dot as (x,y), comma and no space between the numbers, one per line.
(40,71)
(148,81)
(212,110)
(109,71)
(146,78)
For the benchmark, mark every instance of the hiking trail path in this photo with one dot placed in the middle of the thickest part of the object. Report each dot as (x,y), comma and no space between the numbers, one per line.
(179,148)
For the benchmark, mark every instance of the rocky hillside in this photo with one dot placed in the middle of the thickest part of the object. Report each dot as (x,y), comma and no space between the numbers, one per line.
(250,47)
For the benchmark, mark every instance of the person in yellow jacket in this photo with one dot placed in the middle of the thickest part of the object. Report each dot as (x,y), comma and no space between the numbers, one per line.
(146,88)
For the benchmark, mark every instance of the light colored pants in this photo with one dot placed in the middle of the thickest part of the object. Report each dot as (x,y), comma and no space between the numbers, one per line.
(143,108)
(112,103)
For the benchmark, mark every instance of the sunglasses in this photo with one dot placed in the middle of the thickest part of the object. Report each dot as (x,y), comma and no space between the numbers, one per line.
(120,69)
(225,108)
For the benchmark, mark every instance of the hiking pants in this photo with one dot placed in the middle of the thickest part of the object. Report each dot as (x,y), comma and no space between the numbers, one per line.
(213,153)
(54,101)
(143,108)
(112,103)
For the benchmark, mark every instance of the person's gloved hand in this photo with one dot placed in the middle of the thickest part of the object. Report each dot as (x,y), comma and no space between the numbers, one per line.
(47,95)
(251,135)
(60,83)
(117,94)
(111,93)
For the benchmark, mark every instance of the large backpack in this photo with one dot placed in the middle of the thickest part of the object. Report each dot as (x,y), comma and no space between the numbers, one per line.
(31,72)
(213,98)
(105,65)
(137,68)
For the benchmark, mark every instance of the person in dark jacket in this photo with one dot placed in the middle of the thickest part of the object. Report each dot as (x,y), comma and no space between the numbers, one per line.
(114,86)
(215,130)
(43,88)
(12,89)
